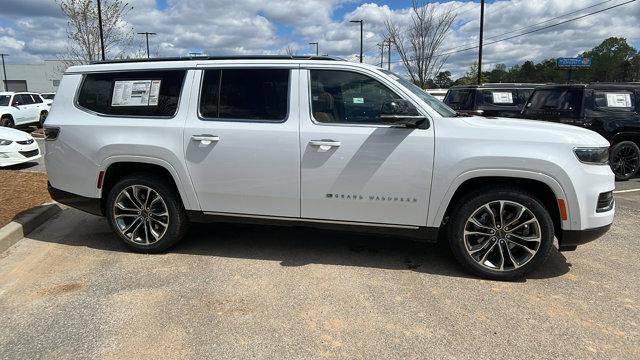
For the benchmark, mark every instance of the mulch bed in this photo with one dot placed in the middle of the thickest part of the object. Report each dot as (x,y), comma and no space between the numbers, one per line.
(20,191)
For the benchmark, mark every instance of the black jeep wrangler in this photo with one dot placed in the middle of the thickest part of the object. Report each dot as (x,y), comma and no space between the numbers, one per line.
(612,110)
(503,100)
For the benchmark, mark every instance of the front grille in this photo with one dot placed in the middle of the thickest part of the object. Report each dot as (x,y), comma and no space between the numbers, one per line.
(29,154)
(25,142)
(605,202)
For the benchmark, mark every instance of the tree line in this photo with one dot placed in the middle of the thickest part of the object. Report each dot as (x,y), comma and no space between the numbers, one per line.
(614,60)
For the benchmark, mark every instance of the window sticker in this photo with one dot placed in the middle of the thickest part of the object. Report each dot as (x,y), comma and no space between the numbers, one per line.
(136,93)
(358,100)
(619,100)
(502,98)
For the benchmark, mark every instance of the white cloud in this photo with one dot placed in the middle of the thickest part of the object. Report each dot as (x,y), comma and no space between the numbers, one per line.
(33,30)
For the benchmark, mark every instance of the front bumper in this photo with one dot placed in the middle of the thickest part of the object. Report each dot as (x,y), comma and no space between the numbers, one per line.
(15,153)
(570,239)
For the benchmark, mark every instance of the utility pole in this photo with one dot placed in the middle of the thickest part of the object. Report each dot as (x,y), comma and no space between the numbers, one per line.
(146,34)
(389,63)
(361,26)
(100,26)
(381,46)
(4,70)
(316,44)
(480,48)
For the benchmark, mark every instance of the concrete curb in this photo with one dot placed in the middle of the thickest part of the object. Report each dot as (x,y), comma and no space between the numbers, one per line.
(26,223)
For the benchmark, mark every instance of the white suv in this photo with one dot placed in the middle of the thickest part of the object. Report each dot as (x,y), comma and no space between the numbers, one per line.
(22,108)
(319,142)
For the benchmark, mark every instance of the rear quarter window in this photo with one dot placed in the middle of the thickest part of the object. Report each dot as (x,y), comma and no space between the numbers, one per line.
(614,100)
(501,97)
(135,93)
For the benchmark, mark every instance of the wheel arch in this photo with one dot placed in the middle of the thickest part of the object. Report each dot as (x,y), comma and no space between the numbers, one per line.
(626,136)
(544,187)
(117,167)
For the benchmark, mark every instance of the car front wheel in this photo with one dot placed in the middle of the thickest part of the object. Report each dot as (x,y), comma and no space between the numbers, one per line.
(625,160)
(146,213)
(501,234)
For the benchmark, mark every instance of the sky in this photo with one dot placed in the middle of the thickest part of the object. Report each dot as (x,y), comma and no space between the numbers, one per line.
(34,30)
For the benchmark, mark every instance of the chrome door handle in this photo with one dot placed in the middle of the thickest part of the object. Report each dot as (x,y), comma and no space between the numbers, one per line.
(324,143)
(205,139)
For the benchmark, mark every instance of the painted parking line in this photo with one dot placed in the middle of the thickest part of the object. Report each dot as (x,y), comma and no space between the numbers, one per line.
(626,191)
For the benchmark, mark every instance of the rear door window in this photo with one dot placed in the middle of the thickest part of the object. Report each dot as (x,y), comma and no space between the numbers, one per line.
(245,94)
(614,100)
(134,93)
(501,97)
(460,99)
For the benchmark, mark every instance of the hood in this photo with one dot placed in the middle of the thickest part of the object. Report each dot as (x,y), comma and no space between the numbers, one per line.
(533,130)
(13,134)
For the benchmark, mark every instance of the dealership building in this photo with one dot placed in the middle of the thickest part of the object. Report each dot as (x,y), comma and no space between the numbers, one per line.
(40,78)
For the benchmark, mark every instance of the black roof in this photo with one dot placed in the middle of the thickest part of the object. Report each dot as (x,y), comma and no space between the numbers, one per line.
(226,57)
(498,86)
(595,86)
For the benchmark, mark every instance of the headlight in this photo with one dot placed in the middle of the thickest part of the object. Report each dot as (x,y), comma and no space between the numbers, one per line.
(595,156)
(5,142)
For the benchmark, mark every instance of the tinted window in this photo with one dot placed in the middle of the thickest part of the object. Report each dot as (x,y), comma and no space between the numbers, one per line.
(140,93)
(36,98)
(245,94)
(48,96)
(460,99)
(556,99)
(614,100)
(4,100)
(347,97)
(501,97)
(22,99)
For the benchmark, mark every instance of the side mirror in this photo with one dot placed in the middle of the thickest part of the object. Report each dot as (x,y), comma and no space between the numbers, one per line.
(401,112)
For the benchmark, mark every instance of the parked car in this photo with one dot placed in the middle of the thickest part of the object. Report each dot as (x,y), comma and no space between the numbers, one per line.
(497,100)
(612,110)
(437,93)
(48,98)
(320,142)
(17,147)
(22,108)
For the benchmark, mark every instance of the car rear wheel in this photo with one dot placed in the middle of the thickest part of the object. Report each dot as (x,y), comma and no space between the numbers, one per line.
(146,213)
(501,234)
(625,160)
(7,122)
(43,117)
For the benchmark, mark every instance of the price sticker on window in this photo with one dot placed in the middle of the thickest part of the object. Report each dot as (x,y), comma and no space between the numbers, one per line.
(358,100)
(618,100)
(136,93)
(502,98)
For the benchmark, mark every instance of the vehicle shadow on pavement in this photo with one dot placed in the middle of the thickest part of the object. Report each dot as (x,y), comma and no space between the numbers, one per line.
(23,166)
(299,246)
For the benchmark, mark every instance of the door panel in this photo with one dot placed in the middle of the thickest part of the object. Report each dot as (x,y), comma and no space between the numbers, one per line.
(363,173)
(244,167)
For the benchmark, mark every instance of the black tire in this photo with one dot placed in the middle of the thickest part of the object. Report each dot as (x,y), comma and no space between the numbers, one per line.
(472,204)
(177,220)
(7,122)
(625,160)
(43,117)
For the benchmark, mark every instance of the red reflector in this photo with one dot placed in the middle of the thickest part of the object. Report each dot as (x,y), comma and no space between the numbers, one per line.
(563,209)
(100,176)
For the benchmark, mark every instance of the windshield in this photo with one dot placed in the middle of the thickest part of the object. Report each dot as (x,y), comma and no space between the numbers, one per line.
(434,103)
(4,100)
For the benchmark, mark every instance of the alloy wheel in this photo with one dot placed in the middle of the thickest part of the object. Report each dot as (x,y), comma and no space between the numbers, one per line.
(141,214)
(625,161)
(502,235)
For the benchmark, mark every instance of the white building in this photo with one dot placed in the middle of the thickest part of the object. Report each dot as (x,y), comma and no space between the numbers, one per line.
(43,77)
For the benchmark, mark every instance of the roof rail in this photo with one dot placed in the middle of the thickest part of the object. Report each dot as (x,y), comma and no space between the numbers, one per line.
(225,57)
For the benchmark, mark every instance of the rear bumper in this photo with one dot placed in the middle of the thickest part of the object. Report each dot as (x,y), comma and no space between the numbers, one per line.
(572,238)
(86,204)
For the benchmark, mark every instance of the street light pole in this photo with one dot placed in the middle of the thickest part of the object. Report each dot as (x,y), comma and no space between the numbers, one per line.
(100,27)
(480,47)
(146,34)
(4,70)
(316,44)
(361,26)
(389,63)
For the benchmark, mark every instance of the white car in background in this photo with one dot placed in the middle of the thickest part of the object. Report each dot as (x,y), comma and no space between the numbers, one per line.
(17,147)
(48,98)
(22,108)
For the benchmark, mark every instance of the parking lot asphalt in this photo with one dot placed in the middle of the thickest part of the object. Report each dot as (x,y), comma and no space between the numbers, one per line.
(71,290)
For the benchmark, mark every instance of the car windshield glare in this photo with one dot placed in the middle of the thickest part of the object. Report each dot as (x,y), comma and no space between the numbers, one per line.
(4,100)
(434,103)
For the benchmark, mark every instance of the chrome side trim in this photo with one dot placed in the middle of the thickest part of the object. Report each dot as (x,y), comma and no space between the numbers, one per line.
(311,220)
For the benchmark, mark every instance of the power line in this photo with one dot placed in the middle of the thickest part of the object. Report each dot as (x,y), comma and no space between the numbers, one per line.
(532,31)
(530,26)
